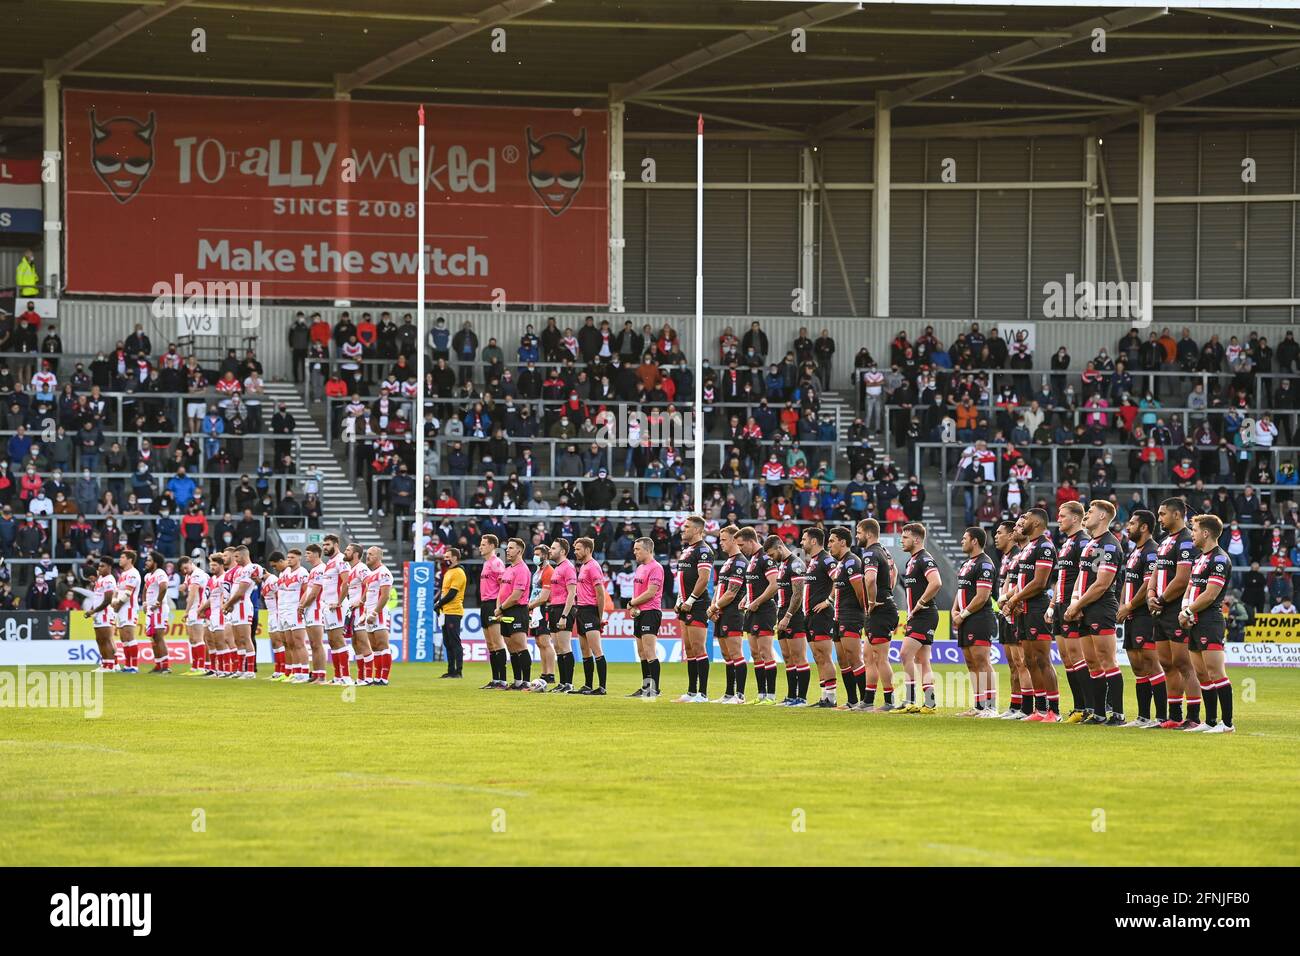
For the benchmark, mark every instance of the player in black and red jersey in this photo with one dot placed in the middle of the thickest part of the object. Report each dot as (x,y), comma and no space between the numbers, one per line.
(694,571)
(849,602)
(880,577)
(728,619)
(818,585)
(791,625)
(921,583)
(759,605)
(1009,542)
(1174,558)
(1069,518)
(1036,562)
(1095,606)
(1139,627)
(1202,616)
(974,622)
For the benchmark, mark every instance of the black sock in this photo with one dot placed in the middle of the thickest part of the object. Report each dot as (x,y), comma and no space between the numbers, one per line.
(1225,701)
(1194,711)
(1026,701)
(654,673)
(805,679)
(791,682)
(602,670)
(499,664)
(850,686)
(1078,697)
(692,669)
(588,670)
(1160,693)
(1098,684)
(645,670)
(1176,709)
(1211,695)
(731,679)
(526,665)
(702,668)
(1144,697)
(742,674)
(868,692)
(566,671)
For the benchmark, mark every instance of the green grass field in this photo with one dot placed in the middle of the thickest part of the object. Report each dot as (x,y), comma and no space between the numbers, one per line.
(431,772)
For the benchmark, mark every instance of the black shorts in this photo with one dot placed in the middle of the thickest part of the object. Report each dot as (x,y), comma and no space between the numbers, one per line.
(1099,621)
(881,624)
(553,614)
(647,622)
(761,623)
(1207,635)
(1063,628)
(698,616)
(515,621)
(1167,627)
(731,625)
(1033,626)
(821,625)
(487,609)
(922,625)
(1139,633)
(976,631)
(1008,631)
(798,626)
(850,625)
(586,618)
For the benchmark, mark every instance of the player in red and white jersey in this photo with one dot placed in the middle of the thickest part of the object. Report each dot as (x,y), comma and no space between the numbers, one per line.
(379,584)
(354,616)
(233,657)
(127,604)
(331,599)
(194,586)
(239,610)
(155,621)
(215,634)
(103,618)
(313,611)
(271,601)
(288,599)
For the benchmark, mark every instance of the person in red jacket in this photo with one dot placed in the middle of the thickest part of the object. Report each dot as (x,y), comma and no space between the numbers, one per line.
(1067,492)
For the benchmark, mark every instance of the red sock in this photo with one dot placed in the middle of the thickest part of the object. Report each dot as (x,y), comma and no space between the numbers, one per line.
(365,667)
(128,653)
(279,661)
(341,663)
(387,663)
(198,656)
(164,664)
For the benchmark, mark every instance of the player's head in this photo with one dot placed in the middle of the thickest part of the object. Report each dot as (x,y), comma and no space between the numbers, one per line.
(868,530)
(643,549)
(775,547)
(559,550)
(127,559)
(374,557)
(1206,530)
(294,557)
(1069,516)
(1098,517)
(1172,514)
(241,555)
(1004,536)
(812,539)
(330,545)
(1034,522)
(152,561)
(352,553)
(514,550)
(184,565)
(582,548)
(839,541)
(693,529)
(1141,525)
(913,537)
(747,538)
(105,567)
(974,540)
(313,555)
(451,557)
(727,538)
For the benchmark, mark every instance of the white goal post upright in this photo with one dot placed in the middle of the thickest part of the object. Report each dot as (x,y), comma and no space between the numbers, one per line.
(697,490)
(417,532)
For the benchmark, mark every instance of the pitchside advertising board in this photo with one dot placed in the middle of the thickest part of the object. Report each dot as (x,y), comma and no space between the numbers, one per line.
(20,196)
(316,199)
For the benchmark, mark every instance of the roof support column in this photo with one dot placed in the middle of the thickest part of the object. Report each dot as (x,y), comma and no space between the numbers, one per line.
(616,177)
(1146,219)
(52,263)
(807,233)
(880,214)
(1089,224)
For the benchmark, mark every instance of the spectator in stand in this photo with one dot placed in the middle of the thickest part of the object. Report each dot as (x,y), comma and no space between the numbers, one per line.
(299,338)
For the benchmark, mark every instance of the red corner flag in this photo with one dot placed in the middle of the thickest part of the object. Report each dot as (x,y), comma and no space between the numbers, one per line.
(422,115)
(699,127)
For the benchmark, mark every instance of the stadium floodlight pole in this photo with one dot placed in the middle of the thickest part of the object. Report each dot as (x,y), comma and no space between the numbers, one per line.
(417,531)
(697,492)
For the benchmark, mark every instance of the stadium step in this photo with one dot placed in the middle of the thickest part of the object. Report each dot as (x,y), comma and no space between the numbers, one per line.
(341,499)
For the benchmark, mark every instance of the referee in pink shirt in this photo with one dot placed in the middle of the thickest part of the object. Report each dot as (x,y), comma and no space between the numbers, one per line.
(646,608)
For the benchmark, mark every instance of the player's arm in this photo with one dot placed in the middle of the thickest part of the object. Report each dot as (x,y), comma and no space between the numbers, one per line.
(513,599)
(108,599)
(1174,590)
(380,603)
(701,583)
(342,588)
(796,599)
(728,594)
(769,592)
(601,599)
(1213,587)
(1042,571)
(1105,576)
(858,584)
(1139,599)
(869,577)
(646,596)
(933,581)
(543,597)
(308,595)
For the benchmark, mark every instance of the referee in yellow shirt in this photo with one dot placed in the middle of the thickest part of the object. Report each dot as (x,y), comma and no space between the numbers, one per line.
(451,602)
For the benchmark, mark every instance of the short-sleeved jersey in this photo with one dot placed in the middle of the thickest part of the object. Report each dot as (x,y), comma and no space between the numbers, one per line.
(1100,554)
(920,567)
(489,581)
(647,575)
(759,570)
(732,575)
(216,597)
(516,577)
(155,588)
(817,580)
(376,578)
(791,568)
(695,562)
(1175,551)
(847,570)
(1008,579)
(315,579)
(356,583)
(1037,553)
(104,585)
(128,590)
(453,579)
(562,575)
(542,582)
(336,569)
(1211,567)
(197,578)
(974,575)
(271,594)
(877,563)
(1067,565)
(1137,567)
(253,574)
(590,577)
(289,589)
(228,581)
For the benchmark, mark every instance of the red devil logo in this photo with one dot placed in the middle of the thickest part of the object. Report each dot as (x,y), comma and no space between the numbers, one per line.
(555,168)
(123,154)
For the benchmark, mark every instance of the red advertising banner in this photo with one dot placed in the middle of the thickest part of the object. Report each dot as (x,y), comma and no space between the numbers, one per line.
(316,199)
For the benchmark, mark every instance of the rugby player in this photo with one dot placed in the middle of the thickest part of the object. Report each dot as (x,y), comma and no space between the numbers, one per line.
(694,574)
(880,577)
(103,617)
(759,606)
(1202,617)
(451,603)
(218,653)
(1174,558)
(239,609)
(921,583)
(275,630)
(155,617)
(560,613)
(289,590)
(512,613)
(355,614)
(646,609)
(194,583)
(126,602)
(1094,607)
(1069,518)
(1139,627)
(332,597)
(791,627)
(590,616)
(974,622)
(818,585)
(1034,566)
(313,614)
(1008,541)
(378,586)
(729,620)
(537,604)
(489,583)
(849,606)
(234,653)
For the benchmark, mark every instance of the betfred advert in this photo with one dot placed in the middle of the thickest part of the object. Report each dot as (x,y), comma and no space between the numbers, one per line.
(316,199)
